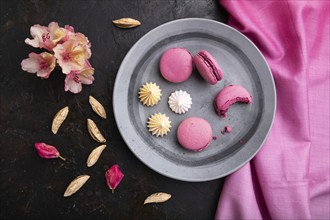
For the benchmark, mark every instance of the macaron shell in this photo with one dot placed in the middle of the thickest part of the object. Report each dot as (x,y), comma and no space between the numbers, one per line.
(208,67)
(176,65)
(194,134)
(228,96)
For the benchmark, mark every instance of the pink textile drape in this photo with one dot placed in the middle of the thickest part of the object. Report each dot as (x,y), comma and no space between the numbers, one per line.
(289,177)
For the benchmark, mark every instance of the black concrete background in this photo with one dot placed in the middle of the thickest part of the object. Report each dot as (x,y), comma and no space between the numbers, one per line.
(32,187)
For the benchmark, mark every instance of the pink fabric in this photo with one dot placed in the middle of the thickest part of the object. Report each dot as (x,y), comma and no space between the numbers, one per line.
(289,177)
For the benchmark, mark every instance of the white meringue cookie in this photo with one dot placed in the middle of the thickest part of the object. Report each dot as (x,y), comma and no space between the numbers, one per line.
(180,102)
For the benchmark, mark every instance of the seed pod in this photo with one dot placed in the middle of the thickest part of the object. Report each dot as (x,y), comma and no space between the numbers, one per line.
(59,119)
(75,185)
(94,131)
(126,23)
(94,155)
(157,198)
(97,107)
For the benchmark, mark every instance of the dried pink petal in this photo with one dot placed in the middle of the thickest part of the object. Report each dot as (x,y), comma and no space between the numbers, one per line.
(41,64)
(113,177)
(47,151)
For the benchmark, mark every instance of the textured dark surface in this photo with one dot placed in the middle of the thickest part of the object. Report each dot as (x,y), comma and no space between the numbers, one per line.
(32,187)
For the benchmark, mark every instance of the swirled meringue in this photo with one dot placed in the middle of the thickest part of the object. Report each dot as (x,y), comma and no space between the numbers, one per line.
(149,94)
(180,102)
(159,124)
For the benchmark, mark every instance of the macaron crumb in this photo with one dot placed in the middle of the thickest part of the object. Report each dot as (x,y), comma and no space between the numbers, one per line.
(214,137)
(227,129)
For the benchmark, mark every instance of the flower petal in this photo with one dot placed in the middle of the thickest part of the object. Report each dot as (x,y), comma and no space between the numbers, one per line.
(86,75)
(86,79)
(69,28)
(53,26)
(72,83)
(71,56)
(82,39)
(56,33)
(59,51)
(30,64)
(47,65)
(37,32)
(42,64)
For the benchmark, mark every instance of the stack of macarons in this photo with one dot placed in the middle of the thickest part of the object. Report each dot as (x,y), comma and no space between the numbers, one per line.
(176,66)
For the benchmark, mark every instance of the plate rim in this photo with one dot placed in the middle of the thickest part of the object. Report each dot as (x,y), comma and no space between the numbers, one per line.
(116,86)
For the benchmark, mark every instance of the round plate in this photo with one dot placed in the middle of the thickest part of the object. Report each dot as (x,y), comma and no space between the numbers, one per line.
(242,64)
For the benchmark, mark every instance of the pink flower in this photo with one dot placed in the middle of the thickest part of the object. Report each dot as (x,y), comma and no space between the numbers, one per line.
(69,33)
(47,151)
(74,79)
(39,34)
(70,50)
(73,54)
(81,39)
(48,37)
(42,64)
(113,177)
(57,34)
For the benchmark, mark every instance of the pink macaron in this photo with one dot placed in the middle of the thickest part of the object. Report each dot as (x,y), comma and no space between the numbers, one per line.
(208,67)
(194,134)
(228,96)
(176,65)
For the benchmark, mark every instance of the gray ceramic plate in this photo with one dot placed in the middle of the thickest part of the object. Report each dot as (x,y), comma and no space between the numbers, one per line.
(242,64)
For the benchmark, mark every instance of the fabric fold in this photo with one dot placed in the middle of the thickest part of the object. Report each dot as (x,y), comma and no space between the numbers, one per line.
(289,177)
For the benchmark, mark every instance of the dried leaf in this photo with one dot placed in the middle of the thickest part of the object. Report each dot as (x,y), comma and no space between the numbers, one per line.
(75,185)
(94,155)
(157,198)
(94,131)
(126,23)
(97,107)
(59,119)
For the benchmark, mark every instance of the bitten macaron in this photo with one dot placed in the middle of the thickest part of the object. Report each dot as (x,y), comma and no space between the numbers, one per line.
(176,65)
(228,96)
(208,67)
(194,134)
